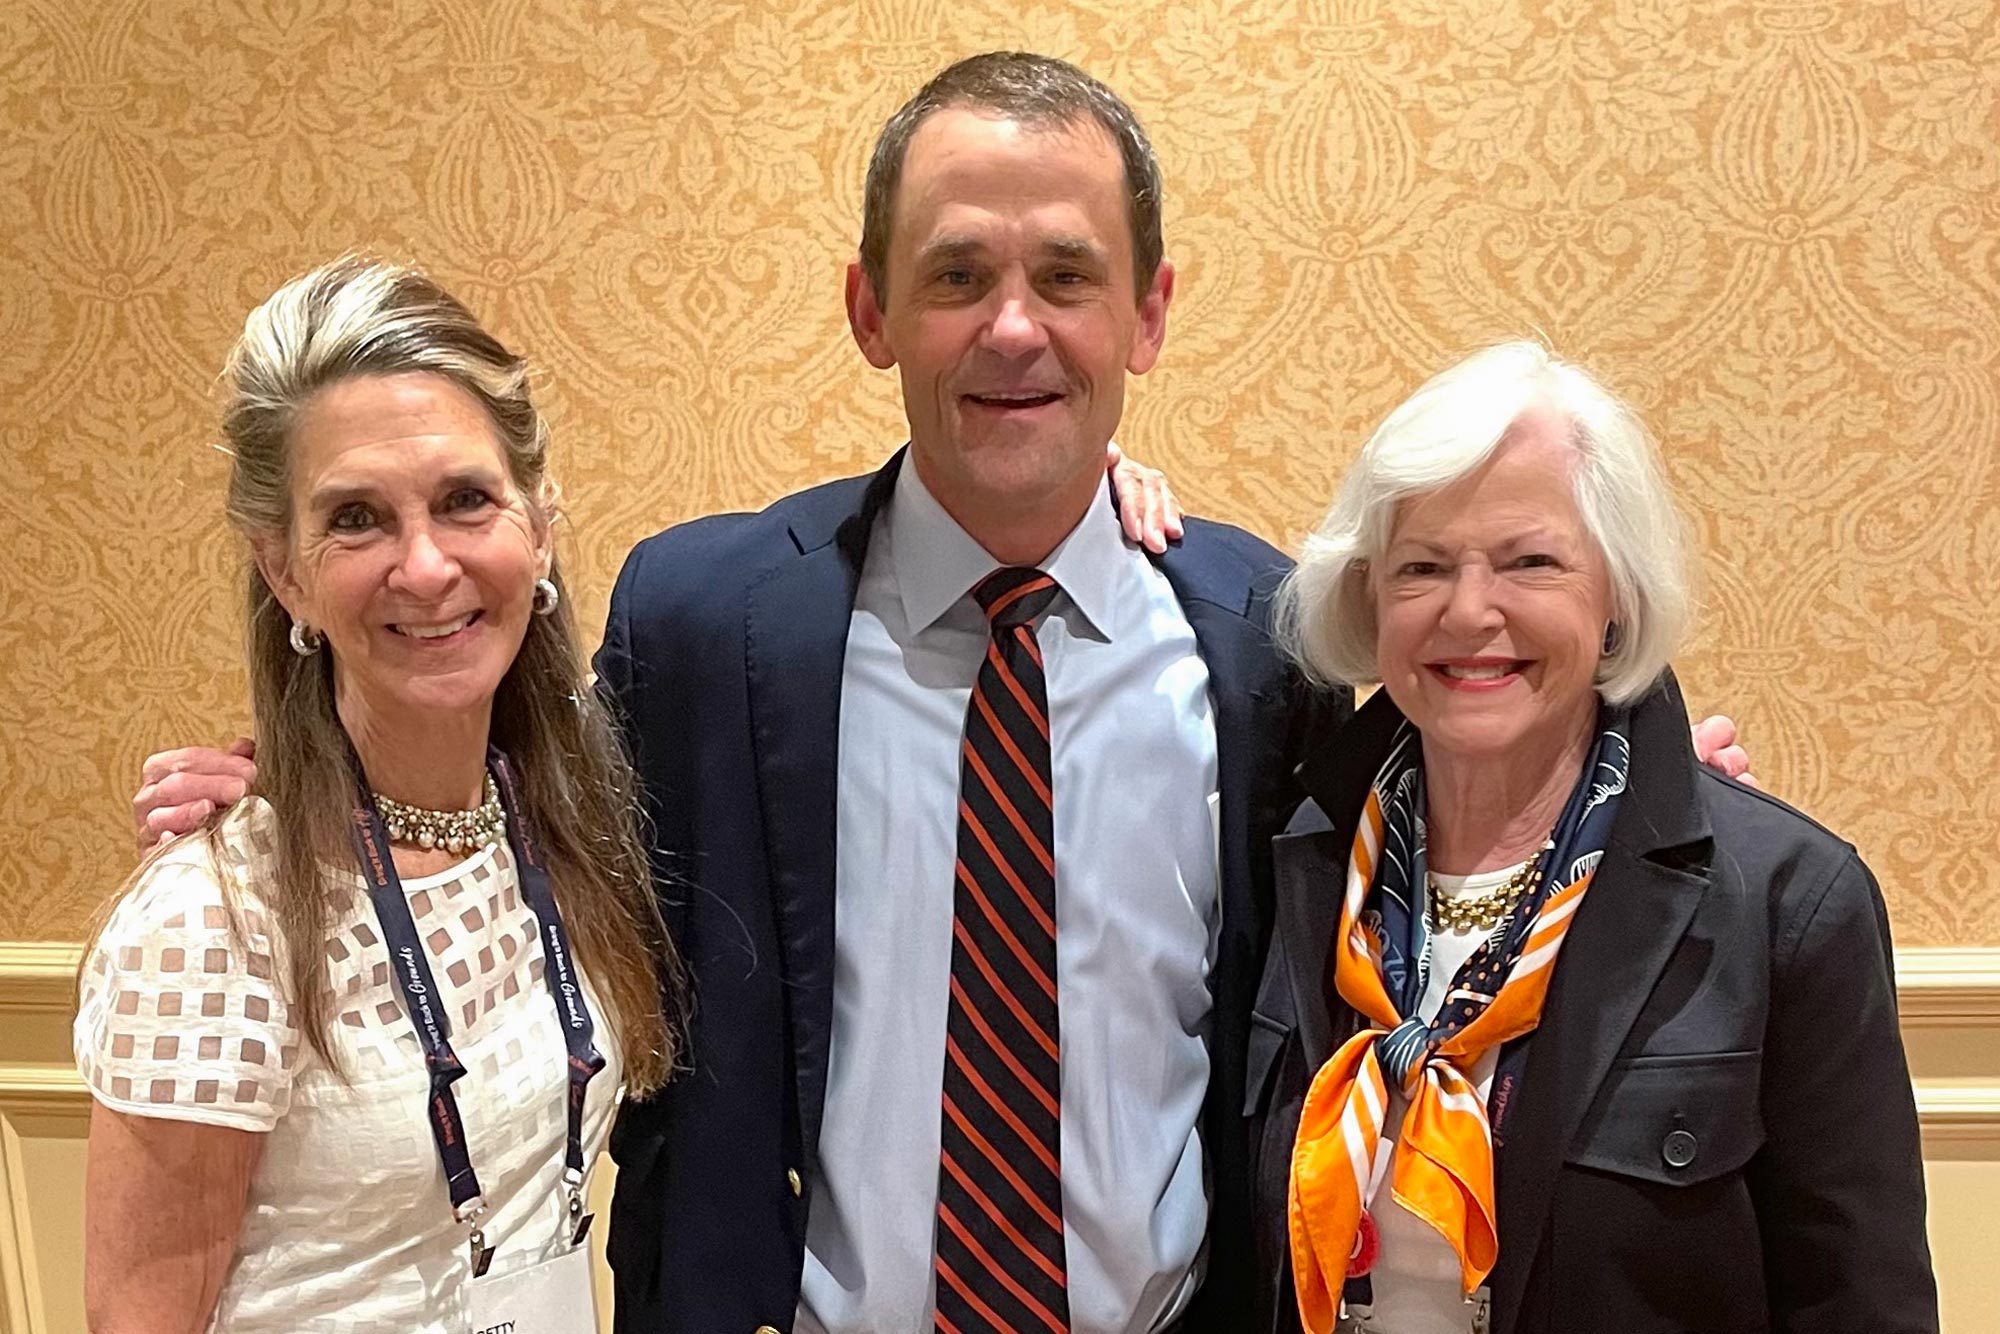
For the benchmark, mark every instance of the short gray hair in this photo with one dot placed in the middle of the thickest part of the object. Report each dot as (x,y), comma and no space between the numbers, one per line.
(1325,612)
(1034,90)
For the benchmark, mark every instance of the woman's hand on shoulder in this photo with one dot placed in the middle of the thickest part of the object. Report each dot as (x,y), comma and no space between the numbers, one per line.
(1148,510)
(163,1207)
(180,789)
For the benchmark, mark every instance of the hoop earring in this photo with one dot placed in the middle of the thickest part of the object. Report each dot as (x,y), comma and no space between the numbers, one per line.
(306,641)
(547,595)
(1613,637)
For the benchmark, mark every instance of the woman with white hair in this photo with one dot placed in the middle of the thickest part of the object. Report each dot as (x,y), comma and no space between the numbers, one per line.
(1559,1030)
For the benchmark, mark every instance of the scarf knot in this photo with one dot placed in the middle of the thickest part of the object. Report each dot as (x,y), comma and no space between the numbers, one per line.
(1402,1051)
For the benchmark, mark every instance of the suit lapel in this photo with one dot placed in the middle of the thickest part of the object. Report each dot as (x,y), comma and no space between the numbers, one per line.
(1640,905)
(1312,869)
(795,645)
(1311,873)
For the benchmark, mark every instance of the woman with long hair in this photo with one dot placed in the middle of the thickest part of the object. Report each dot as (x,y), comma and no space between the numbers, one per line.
(355,1047)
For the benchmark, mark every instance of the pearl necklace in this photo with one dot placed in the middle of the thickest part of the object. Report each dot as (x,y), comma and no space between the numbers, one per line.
(453,831)
(1483,912)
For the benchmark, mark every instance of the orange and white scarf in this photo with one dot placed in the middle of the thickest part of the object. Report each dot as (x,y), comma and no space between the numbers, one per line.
(1443,1167)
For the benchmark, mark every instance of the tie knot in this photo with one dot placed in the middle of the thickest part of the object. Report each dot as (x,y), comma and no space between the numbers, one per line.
(1015,595)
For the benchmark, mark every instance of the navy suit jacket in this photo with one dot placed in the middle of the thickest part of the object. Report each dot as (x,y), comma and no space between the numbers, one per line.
(723,656)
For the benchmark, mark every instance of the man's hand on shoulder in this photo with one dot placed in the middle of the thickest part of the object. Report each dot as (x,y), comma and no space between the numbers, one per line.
(180,789)
(1715,746)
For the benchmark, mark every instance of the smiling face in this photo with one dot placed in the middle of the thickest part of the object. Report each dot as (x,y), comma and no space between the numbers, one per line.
(1010,311)
(412,550)
(1491,603)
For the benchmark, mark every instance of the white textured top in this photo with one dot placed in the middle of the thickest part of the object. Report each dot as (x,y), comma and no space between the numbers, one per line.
(1416,1278)
(1134,781)
(348,1228)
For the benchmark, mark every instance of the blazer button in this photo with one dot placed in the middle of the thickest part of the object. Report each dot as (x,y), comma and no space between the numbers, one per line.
(795,1181)
(767,1329)
(1678,1148)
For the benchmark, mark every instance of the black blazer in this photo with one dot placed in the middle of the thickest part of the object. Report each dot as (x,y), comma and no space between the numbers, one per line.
(1729,975)
(723,654)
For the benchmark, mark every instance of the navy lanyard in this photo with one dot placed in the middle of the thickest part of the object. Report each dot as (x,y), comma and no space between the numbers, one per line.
(423,1001)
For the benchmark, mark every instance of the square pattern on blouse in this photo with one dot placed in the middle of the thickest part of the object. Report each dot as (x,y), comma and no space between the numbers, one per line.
(183,1012)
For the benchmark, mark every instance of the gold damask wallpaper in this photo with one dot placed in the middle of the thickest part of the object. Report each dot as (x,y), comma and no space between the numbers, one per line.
(1771,223)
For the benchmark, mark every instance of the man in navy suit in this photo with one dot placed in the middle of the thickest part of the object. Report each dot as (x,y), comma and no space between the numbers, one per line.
(795,684)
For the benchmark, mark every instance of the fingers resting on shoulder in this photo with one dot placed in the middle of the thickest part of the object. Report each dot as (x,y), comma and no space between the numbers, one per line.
(180,789)
(1148,510)
(1716,745)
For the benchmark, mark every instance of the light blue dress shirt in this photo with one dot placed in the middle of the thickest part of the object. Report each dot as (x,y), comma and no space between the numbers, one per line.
(1136,821)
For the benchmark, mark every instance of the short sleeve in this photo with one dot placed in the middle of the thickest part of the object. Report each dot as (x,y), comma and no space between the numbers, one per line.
(181,1015)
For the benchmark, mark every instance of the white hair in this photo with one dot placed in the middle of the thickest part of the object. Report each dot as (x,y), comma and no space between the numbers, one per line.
(1448,429)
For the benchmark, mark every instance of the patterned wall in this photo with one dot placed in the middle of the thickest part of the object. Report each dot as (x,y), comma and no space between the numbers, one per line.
(1772,224)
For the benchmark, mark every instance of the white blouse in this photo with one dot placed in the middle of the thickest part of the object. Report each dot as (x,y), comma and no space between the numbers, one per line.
(349,1228)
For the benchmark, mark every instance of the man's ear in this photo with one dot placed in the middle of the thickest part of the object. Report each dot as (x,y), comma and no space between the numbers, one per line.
(864,317)
(274,562)
(1151,335)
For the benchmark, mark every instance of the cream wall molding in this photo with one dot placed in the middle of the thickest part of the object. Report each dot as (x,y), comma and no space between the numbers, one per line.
(21,1307)
(39,1089)
(38,977)
(1948,988)
(1935,987)
(1958,1109)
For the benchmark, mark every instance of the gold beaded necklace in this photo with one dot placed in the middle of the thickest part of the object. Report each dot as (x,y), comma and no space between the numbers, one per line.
(449,831)
(1483,912)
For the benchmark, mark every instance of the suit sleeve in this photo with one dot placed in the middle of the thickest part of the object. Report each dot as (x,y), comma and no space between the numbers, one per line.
(612,664)
(1839,1183)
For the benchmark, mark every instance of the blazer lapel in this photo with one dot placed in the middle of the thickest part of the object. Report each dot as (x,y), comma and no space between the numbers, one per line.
(795,645)
(1312,869)
(1639,907)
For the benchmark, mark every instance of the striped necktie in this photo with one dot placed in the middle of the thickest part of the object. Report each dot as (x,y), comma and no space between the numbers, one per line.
(999,1257)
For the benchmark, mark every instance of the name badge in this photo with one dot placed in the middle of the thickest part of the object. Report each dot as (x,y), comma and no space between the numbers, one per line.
(552,1297)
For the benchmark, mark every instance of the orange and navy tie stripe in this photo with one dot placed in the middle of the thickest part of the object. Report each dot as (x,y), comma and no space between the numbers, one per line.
(999,1260)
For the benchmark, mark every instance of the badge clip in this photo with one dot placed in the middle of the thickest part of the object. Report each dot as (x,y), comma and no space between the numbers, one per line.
(481,1254)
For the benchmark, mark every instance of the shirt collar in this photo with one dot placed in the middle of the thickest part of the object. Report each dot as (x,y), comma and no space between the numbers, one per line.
(937,562)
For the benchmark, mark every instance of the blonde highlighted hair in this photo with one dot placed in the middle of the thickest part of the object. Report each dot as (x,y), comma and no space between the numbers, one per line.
(355,318)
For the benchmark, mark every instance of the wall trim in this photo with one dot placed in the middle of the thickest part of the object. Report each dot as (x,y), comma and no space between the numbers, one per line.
(34,1088)
(38,977)
(1951,1110)
(1935,988)
(21,1308)
(1948,988)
